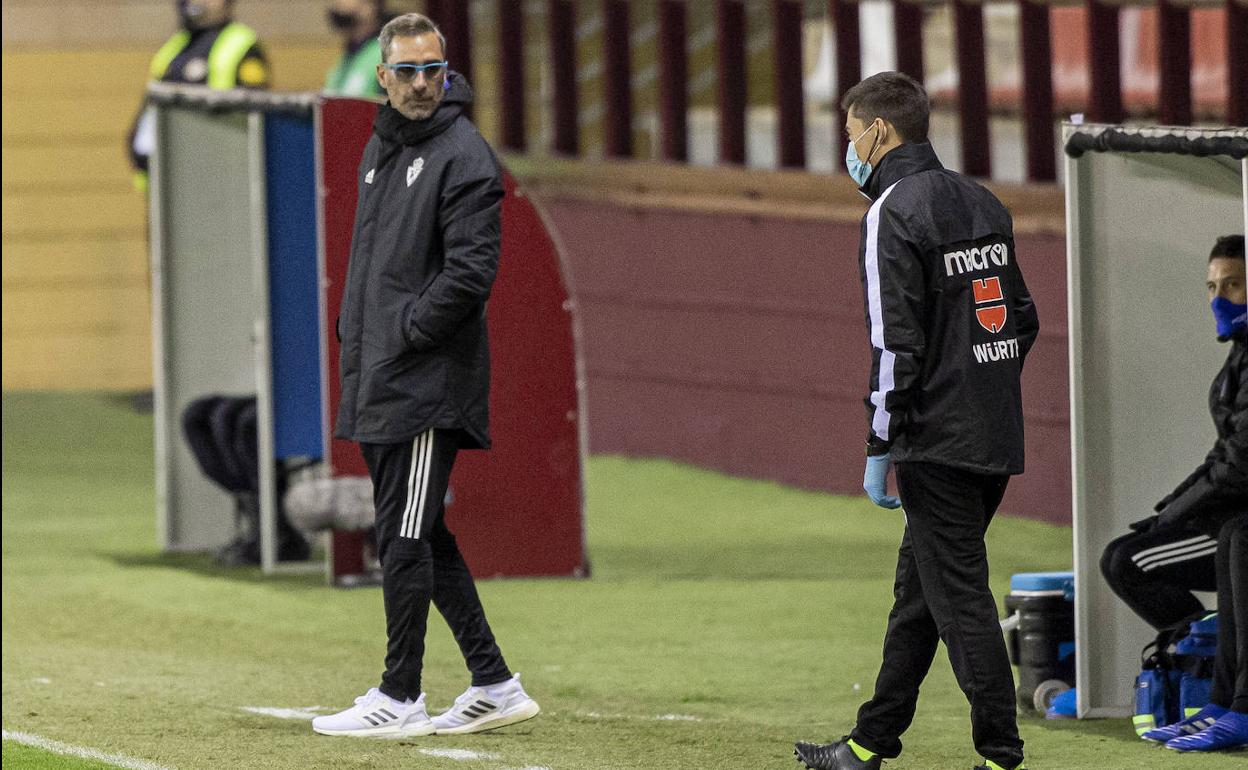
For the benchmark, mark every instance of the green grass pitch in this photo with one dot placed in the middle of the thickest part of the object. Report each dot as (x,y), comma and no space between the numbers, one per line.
(725,619)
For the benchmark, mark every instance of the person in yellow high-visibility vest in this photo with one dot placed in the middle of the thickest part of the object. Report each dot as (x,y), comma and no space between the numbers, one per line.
(211,49)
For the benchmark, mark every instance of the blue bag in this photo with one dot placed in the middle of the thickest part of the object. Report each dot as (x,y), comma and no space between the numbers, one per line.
(1194,655)
(1175,673)
(1156,698)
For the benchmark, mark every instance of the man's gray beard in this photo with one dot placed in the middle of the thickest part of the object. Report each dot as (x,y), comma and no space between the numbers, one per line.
(418,113)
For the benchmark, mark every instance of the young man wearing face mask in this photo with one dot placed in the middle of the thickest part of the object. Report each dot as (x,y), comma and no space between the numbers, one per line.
(415,369)
(209,48)
(950,322)
(358,22)
(1187,546)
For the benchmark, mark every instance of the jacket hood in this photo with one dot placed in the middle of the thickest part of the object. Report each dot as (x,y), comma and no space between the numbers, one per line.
(394,128)
(909,158)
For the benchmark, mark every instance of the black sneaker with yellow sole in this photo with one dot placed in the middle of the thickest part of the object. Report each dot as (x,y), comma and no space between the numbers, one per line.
(838,755)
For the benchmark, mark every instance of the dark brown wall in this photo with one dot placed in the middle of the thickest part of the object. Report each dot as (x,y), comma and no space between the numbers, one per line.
(738,343)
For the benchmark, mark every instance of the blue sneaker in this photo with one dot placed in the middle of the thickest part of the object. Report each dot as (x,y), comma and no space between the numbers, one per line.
(1064,706)
(1190,726)
(1230,731)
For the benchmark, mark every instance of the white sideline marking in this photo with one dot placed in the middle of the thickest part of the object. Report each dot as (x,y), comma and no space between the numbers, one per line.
(462,754)
(269,711)
(678,718)
(82,752)
(41,680)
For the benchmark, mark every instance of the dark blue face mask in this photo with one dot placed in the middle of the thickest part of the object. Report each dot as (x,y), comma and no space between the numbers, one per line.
(190,12)
(1230,317)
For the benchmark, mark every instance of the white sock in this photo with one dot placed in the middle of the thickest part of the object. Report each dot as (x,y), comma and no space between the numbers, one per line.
(402,704)
(502,688)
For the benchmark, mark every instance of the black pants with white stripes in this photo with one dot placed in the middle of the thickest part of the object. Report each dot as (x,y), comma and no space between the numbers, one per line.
(940,594)
(420,563)
(1230,668)
(1156,569)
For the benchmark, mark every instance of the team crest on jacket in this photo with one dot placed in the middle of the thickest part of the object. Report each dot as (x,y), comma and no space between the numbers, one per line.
(414,170)
(988,290)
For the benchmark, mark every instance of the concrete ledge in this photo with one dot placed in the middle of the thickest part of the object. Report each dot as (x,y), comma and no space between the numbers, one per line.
(1037,208)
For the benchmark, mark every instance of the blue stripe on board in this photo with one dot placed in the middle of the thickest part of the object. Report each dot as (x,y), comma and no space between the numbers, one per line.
(290,169)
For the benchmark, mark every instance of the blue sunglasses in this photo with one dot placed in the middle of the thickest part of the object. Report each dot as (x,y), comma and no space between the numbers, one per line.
(406,72)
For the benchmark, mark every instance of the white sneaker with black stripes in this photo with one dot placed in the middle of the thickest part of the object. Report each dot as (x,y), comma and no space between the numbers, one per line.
(377,715)
(487,708)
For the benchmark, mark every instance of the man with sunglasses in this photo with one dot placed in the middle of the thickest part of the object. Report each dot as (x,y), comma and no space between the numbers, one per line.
(415,368)
(950,321)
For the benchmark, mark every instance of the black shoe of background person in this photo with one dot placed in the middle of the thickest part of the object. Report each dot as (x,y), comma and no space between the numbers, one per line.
(833,756)
(244,551)
(291,546)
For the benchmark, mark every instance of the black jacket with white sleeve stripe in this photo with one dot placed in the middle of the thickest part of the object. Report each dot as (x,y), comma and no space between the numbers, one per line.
(949,317)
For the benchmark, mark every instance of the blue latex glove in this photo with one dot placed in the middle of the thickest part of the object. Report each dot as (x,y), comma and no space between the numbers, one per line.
(873,482)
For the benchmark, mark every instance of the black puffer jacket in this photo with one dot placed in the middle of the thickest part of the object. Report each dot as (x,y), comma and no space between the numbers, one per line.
(424,254)
(949,316)
(1219,487)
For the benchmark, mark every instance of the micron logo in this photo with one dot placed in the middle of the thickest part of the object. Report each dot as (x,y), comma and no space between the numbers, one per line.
(976,258)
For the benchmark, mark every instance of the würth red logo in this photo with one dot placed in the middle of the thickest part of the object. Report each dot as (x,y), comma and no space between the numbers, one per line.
(987,290)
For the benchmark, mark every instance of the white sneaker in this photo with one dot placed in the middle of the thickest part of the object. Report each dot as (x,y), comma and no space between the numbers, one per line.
(377,715)
(485,708)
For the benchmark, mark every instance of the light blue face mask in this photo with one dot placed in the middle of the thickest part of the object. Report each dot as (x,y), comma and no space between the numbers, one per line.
(859,170)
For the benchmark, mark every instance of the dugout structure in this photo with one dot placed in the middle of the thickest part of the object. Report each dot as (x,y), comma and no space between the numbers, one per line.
(1143,208)
(252,206)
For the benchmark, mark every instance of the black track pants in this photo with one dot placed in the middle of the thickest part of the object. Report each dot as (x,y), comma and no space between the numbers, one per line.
(1154,571)
(1230,668)
(941,594)
(221,433)
(420,563)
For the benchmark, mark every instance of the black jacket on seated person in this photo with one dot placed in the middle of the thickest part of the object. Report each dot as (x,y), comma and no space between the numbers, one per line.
(1219,487)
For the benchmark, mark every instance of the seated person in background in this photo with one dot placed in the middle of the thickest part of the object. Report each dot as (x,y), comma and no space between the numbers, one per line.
(1155,567)
(221,433)
(1223,724)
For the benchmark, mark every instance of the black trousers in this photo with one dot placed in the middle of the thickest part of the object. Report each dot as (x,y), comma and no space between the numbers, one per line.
(1230,668)
(1155,570)
(221,433)
(420,562)
(941,593)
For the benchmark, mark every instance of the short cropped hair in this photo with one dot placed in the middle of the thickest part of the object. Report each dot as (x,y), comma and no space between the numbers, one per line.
(1228,247)
(895,97)
(408,25)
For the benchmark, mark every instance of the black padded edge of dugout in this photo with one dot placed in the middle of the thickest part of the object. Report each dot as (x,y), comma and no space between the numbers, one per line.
(212,100)
(1113,140)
